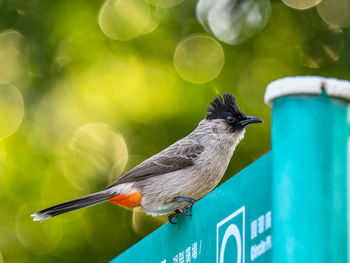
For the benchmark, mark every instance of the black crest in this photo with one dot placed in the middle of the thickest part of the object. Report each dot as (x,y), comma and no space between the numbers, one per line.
(222,107)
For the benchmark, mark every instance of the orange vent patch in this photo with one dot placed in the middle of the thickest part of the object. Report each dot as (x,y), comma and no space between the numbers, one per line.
(131,200)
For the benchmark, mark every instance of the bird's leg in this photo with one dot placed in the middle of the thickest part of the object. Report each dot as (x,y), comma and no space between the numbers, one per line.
(173,215)
(190,202)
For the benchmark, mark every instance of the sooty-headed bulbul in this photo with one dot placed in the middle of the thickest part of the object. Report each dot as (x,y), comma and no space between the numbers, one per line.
(172,180)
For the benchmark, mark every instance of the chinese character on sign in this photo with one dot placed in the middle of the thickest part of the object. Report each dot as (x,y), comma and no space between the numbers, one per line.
(182,257)
(188,255)
(253,229)
(268,220)
(261,224)
(194,250)
(164,261)
(176,259)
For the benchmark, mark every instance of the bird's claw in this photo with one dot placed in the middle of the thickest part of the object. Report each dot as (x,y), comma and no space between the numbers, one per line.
(190,202)
(173,215)
(184,211)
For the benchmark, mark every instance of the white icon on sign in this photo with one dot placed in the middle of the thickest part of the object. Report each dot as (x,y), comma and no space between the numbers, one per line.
(230,238)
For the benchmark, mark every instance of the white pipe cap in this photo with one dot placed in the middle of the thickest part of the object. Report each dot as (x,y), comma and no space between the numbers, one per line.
(306,85)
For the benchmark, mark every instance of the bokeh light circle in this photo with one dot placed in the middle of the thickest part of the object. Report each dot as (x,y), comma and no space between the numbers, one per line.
(165,3)
(12,61)
(199,59)
(301,4)
(203,8)
(91,153)
(233,22)
(11,110)
(124,20)
(335,12)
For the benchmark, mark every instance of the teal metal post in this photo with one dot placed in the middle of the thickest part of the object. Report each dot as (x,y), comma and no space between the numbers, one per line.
(310,166)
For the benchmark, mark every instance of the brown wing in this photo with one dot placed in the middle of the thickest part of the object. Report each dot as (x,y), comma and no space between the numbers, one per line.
(178,156)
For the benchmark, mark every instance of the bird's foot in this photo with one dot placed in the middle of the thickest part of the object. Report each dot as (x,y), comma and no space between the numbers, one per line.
(190,202)
(173,215)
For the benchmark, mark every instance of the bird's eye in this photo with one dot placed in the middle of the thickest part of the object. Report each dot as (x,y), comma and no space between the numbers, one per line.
(230,119)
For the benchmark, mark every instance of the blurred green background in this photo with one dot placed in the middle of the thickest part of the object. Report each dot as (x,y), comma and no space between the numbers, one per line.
(88,89)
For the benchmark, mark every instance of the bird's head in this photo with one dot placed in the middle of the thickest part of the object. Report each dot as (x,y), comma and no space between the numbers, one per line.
(225,111)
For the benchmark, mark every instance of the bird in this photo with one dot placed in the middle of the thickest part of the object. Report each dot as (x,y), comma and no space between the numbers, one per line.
(171,181)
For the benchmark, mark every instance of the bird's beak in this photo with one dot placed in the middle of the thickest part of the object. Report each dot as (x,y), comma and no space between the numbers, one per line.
(249,120)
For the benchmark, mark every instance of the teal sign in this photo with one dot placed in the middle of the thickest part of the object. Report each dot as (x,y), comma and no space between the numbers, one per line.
(231,224)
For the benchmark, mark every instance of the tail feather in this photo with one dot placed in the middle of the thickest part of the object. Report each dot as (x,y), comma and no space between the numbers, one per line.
(72,205)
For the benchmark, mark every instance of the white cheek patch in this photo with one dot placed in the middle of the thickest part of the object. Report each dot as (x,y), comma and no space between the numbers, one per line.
(238,136)
(241,135)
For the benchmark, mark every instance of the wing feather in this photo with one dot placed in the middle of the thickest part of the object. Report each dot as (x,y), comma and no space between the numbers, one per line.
(180,155)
